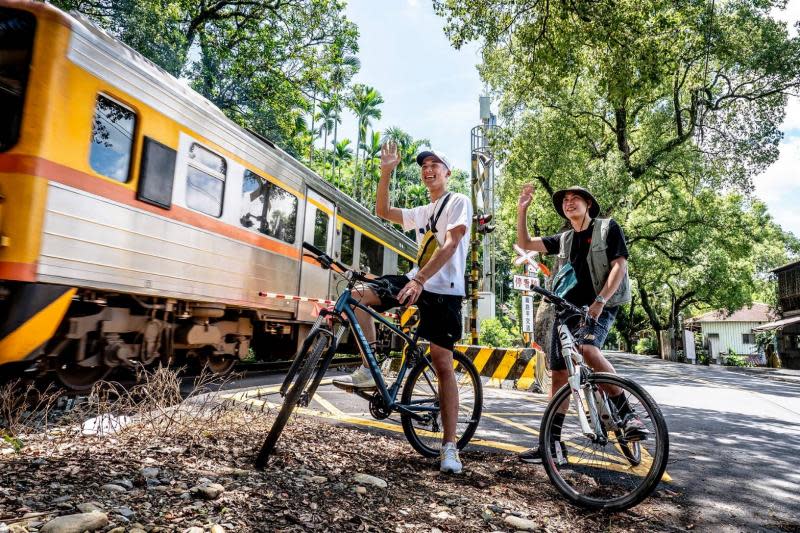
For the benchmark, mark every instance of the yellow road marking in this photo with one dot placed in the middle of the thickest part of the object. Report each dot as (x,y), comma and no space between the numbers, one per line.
(332,409)
(335,413)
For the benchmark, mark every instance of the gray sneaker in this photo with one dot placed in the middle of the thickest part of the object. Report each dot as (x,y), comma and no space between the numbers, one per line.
(450,462)
(360,379)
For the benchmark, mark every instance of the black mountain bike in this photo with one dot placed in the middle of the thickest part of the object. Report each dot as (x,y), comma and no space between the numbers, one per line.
(584,449)
(419,403)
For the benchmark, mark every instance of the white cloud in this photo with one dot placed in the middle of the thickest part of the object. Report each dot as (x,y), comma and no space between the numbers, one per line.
(791,123)
(779,186)
(790,15)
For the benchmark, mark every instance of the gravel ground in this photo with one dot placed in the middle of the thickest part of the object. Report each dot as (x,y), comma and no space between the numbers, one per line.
(325,477)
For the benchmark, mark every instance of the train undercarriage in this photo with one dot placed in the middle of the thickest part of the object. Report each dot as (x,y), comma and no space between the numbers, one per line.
(101,332)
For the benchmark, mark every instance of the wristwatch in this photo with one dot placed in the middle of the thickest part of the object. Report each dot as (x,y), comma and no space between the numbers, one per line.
(599,298)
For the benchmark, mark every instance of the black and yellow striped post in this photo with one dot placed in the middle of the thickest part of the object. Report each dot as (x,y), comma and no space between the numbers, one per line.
(501,365)
(35,311)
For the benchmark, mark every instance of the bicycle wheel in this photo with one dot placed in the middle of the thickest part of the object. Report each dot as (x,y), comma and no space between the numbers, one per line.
(604,472)
(422,391)
(309,356)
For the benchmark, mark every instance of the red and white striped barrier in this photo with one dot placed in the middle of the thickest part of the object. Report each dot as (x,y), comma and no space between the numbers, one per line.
(321,301)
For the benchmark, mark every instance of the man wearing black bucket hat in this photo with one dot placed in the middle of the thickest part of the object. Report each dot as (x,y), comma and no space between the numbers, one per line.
(593,272)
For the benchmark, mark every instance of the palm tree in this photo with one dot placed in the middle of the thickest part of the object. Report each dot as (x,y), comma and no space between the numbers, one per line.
(344,70)
(342,153)
(407,173)
(364,102)
(328,116)
(372,154)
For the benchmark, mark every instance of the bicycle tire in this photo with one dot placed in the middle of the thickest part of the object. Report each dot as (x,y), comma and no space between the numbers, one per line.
(410,430)
(297,361)
(310,355)
(584,471)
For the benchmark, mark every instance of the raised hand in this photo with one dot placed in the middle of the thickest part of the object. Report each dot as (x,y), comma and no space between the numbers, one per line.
(390,157)
(526,196)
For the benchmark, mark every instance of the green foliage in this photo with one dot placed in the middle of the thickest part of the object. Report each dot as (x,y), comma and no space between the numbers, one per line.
(660,109)
(764,339)
(646,346)
(733,359)
(15,443)
(263,63)
(494,332)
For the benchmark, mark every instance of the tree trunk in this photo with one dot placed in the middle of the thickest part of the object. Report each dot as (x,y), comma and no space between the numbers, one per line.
(655,323)
(313,117)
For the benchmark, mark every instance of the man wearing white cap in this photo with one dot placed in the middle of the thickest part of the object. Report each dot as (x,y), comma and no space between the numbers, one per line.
(435,284)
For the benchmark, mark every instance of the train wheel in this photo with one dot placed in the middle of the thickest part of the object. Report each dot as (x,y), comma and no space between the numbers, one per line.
(219,364)
(80,378)
(77,377)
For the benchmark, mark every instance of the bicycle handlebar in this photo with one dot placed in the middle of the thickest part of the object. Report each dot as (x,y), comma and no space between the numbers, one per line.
(327,262)
(563,304)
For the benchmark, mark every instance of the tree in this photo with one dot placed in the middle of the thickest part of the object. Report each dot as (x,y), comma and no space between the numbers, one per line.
(262,62)
(329,117)
(372,158)
(342,153)
(664,110)
(638,82)
(365,103)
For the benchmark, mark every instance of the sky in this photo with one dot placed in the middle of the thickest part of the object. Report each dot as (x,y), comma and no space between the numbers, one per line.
(431,91)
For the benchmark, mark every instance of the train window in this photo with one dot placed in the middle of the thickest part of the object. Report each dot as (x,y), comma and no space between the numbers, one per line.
(371,256)
(404,265)
(112,139)
(16,44)
(205,181)
(348,244)
(321,229)
(156,173)
(267,208)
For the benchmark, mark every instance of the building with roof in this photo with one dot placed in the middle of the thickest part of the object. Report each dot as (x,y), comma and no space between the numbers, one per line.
(787,326)
(722,331)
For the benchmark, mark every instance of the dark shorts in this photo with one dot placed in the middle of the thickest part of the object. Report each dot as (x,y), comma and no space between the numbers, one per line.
(439,314)
(582,335)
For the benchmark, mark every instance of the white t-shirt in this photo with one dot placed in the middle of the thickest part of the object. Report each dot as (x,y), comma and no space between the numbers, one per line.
(457,212)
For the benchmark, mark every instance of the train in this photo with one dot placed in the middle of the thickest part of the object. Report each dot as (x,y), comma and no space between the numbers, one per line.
(138,224)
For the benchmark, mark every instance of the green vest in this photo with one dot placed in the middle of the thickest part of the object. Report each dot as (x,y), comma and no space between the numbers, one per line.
(599,266)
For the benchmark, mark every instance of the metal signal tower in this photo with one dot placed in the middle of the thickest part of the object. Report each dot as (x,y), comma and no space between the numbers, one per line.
(482,277)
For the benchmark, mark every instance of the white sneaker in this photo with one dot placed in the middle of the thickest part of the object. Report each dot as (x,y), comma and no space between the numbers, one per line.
(450,463)
(360,379)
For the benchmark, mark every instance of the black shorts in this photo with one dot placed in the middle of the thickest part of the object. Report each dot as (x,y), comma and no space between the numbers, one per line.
(439,314)
(594,335)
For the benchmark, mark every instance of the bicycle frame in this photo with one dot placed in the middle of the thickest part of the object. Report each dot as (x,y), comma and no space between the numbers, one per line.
(344,307)
(574,361)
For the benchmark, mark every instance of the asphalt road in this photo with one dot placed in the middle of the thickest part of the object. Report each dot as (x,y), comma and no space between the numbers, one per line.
(734,438)
(734,442)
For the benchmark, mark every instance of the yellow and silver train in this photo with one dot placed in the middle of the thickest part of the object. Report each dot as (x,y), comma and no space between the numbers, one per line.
(138,224)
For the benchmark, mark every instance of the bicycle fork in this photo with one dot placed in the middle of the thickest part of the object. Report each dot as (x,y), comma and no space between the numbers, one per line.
(590,429)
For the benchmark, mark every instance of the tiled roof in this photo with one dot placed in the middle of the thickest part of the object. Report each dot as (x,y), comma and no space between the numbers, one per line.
(758,312)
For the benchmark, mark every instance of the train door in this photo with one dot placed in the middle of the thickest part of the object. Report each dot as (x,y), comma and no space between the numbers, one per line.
(319,231)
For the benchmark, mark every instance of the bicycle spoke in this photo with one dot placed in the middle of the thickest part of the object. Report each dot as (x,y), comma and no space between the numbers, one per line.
(598,470)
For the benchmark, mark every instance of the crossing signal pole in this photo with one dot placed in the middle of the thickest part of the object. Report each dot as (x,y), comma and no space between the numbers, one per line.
(482,276)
